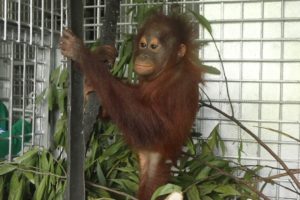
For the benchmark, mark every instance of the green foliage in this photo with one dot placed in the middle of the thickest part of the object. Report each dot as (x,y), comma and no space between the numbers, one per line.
(166,189)
(35,175)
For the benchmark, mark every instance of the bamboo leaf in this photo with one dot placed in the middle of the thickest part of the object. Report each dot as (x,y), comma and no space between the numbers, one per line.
(280,132)
(210,69)
(40,192)
(240,150)
(51,96)
(44,161)
(27,158)
(100,175)
(29,176)
(60,129)
(61,99)
(227,190)
(55,74)
(166,189)
(13,186)
(203,173)
(193,193)
(1,187)
(113,149)
(63,77)
(191,147)
(6,168)
(207,188)
(20,190)
(126,184)
(203,21)
(206,198)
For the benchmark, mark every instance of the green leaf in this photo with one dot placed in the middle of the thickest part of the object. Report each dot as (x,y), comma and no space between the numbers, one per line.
(54,76)
(203,173)
(100,175)
(203,21)
(40,192)
(210,69)
(207,188)
(280,132)
(214,141)
(60,129)
(125,59)
(63,77)
(2,187)
(28,157)
(166,189)
(29,176)
(16,187)
(240,150)
(44,161)
(112,150)
(206,198)
(126,184)
(51,94)
(193,193)
(191,147)
(6,168)
(61,99)
(227,190)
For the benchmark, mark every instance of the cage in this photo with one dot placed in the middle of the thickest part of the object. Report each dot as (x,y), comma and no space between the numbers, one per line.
(259,43)
(28,30)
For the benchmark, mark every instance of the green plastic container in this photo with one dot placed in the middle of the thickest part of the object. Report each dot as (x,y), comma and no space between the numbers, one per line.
(3,117)
(16,131)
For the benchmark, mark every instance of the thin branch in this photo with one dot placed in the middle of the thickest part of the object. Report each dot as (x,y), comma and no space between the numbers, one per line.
(293,171)
(267,179)
(41,173)
(225,77)
(111,190)
(206,95)
(232,118)
(238,180)
(279,132)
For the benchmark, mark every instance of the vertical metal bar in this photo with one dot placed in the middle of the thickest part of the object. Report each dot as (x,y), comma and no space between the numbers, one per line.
(23,95)
(241,69)
(30,21)
(222,52)
(98,19)
(52,24)
(75,138)
(67,10)
(19,21)
(61,16)
(42,22)
(281,88)
(34,94)
(5,20)
(11,100)
(261,48)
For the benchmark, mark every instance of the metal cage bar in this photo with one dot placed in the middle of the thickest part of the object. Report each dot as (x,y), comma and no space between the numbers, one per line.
(11,102)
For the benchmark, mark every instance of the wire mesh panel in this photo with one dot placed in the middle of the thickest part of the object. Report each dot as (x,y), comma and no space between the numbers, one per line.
(28,32)
(259,43)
